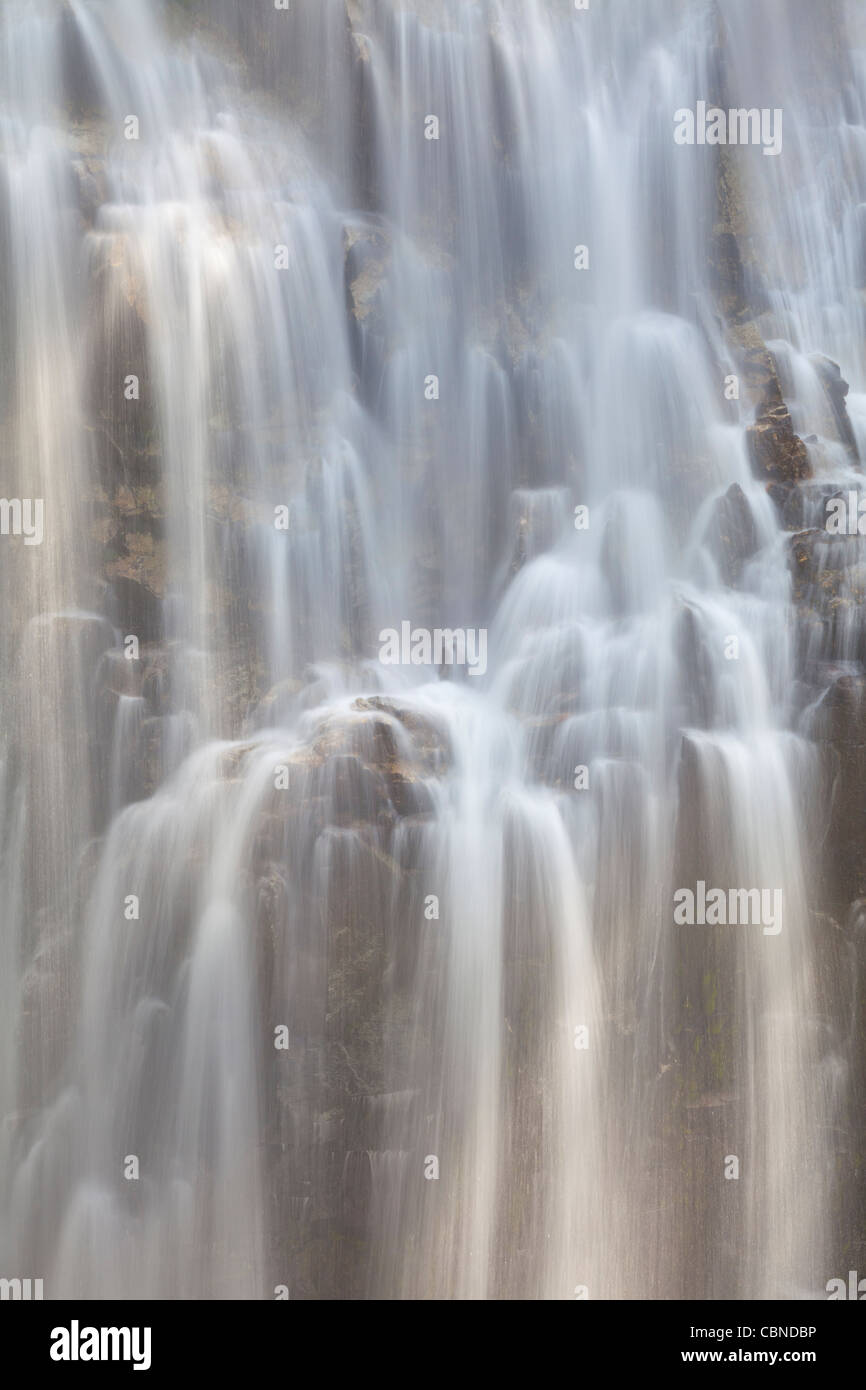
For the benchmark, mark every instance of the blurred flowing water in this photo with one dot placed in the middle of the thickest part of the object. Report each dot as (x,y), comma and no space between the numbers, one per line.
(284,260)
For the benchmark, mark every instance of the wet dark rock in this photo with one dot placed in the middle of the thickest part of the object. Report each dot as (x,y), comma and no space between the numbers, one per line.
(756,365)
(128,526)
(366,268)
(352,792)
(136,608)
(432,745)
(81,91)
(696,683)
(47,1018)
(727,267)
(409,797)
(280,705)
(732,261)
(156,686)
(731,534)
(82,637)
(150,754)
(123,430)
(384,733)
(826,567)
(92,190)
(790,505)
(812,646)
(836,389)
(776,452)
(809,552)
(119,675)
(840,724)
(615,572)
(829,591)
(357,1191)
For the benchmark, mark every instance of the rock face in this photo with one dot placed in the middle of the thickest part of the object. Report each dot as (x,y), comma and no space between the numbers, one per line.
(828,589)
(367,263)
(777,454)
(828,573)
(339,868)
(841,725)
(731,534)
(836,389)
(122,420)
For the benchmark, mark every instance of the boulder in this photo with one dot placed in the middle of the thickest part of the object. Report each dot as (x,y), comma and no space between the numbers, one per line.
(731,534)
(776,452)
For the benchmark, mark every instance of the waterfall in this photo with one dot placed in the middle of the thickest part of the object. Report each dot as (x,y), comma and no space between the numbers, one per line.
(434,596)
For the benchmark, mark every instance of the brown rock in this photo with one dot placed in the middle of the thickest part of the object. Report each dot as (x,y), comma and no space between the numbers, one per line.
(777,454)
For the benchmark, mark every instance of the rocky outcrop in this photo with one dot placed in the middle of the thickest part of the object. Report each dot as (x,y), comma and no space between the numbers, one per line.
(837,419)
(339,867)
(122,419)
(731,534)
(366,268)
(840,724)
(777,453)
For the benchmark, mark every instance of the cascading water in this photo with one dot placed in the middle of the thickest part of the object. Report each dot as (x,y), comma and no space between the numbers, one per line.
(358,978)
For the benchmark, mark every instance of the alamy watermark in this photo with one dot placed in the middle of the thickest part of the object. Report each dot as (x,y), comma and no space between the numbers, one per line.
(441,646)
(21,1290)
(77,1343)
(846,516)
(23,516)
(711,125)
(716,907)
(854,1289)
